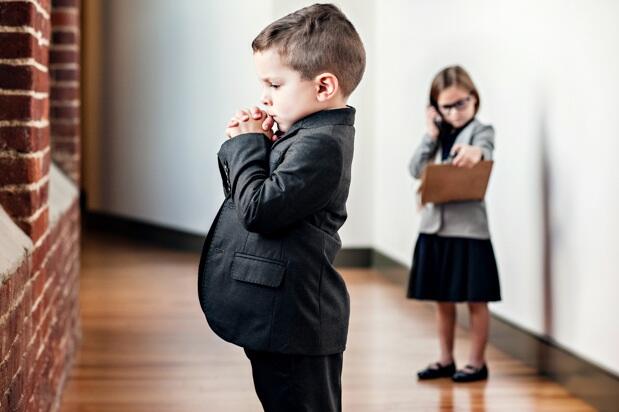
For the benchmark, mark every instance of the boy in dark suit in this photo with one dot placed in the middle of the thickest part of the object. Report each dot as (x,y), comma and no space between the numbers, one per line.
(266,277)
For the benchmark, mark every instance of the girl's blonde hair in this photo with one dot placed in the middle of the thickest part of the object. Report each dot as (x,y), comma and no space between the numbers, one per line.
(452,76)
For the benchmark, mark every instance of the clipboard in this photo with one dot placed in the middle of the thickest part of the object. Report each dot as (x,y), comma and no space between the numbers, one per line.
(442,183)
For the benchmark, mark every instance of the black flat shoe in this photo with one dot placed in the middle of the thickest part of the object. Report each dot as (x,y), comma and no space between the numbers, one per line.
(471,374)
(436,370)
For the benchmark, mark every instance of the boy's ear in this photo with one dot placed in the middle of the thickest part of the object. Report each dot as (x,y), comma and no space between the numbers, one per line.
(327,86)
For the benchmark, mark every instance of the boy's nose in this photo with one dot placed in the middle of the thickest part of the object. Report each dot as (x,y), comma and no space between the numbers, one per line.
(265,99)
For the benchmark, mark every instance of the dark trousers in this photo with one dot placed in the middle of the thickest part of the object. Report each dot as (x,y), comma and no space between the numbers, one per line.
(297,383)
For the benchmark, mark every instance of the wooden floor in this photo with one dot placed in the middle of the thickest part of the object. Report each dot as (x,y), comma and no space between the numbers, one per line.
(147,348)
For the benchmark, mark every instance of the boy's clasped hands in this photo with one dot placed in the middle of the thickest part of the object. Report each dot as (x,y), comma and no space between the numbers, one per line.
(252,120)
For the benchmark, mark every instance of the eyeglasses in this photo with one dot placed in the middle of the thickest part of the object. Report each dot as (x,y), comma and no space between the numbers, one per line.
(458,105)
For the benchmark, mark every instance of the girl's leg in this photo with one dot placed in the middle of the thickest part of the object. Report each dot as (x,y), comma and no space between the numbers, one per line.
(480,321)
(446,317)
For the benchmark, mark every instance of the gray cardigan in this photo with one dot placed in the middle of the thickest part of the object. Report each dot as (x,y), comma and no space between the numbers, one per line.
(455,219)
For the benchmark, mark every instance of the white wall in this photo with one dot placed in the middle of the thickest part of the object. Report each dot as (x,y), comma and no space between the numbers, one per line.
(547,75)
(175,71)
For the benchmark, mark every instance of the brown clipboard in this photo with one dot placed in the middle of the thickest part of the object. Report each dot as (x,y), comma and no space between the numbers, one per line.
(442,183)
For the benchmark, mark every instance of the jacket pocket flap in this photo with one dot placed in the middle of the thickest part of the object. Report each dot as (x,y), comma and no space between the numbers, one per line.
(257,270)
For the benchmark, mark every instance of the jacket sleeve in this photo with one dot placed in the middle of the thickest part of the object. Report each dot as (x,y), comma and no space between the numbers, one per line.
(484,139)
(425,151)
(302,184)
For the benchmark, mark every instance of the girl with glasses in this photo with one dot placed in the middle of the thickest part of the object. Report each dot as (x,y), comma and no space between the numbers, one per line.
(453,260)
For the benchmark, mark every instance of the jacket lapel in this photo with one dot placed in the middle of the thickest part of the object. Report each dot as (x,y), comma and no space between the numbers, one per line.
(285,136)
(465,135)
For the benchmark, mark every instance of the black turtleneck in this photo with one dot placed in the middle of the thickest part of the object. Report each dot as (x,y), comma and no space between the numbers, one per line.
(447,137)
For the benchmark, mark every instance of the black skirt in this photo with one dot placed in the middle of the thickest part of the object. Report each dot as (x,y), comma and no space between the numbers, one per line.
(454,269)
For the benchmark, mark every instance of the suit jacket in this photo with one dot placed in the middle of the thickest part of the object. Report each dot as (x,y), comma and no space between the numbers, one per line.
(458,219)
(266,275)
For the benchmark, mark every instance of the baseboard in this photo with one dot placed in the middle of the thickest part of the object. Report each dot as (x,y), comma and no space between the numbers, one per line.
(180,240)
(589,382)
(142,231)
(389,268)
(354,257)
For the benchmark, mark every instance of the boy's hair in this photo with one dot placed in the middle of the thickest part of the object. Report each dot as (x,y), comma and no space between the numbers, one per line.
(315,39)
(453,76)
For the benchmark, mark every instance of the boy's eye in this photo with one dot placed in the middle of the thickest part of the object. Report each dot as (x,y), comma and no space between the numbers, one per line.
(275,86)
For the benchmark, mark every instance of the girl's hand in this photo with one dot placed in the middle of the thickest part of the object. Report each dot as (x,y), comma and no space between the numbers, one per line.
(431,116)
(253,120)
(466,155)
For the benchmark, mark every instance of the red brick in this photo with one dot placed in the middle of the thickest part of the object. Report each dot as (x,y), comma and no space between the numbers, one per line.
(17,282)
(38,310)
(65,37)
(5,340)
(24,203)
(28,400)
(64,129)
(5,380)
(47,317)
(24,138)
(46,4)
(22,14)
(65,74)
(37,228)
(4,299)
(43,390)
(65,3)
(12,326)
(20,170)
(27,329)
(40,252)
(38,284)
(63,56)
(65,18)
(62,147)
(22,46)
(15,107)
(64,112)
(23,78)
(16,392)
(17,14)
(64,93)
(14,358)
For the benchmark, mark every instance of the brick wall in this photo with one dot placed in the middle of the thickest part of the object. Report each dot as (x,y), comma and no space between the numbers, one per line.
(39,322)
(64,81)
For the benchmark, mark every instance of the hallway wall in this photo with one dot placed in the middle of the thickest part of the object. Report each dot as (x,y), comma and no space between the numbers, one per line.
(172,75)
(547,74)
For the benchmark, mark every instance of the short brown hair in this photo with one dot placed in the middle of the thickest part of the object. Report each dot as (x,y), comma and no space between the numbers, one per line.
(453,76)
(314,39)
